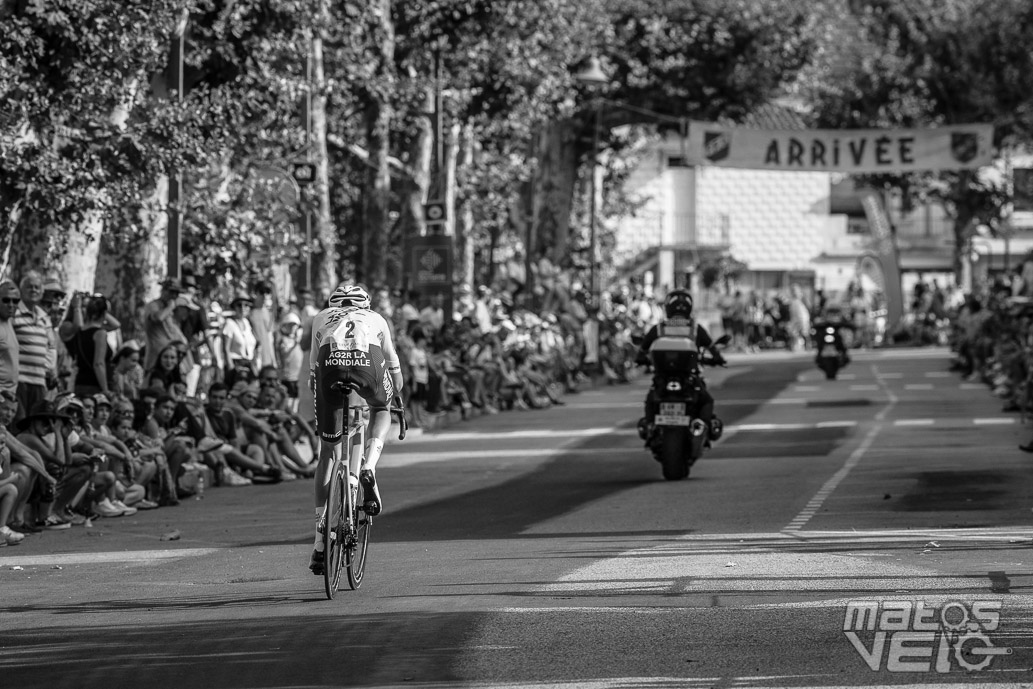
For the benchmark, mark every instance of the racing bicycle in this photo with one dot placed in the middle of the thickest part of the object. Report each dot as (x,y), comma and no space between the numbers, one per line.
(346,524)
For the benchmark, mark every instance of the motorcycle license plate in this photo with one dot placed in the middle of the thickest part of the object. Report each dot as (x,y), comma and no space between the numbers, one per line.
(671,420)
(672,408)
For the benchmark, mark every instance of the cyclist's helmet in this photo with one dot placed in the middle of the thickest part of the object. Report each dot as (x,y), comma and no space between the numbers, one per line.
(350,295)
(678,302)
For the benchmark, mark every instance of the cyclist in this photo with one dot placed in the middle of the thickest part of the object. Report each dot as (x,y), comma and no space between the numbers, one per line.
(351,344)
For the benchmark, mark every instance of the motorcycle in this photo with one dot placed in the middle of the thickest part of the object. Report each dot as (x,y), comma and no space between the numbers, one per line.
(831,355)
(677,437)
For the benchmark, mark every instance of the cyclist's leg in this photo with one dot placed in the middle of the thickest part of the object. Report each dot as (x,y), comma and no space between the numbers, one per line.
(329,408)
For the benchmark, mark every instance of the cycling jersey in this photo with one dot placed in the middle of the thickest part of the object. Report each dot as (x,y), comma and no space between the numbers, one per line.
(350,345)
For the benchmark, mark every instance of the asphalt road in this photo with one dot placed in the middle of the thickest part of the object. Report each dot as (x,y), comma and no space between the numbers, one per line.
(543,548)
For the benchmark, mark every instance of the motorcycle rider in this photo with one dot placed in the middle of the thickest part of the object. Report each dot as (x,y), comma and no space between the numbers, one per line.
(679,323)
(832,316)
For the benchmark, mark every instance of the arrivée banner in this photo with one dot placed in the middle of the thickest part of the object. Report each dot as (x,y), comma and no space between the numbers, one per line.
(842,150)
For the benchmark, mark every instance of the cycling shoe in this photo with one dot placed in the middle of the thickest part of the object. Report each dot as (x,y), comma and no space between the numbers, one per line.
(373,504)
(317,562)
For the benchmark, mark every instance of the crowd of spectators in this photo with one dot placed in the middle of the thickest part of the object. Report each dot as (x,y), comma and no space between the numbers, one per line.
(100,419)
(991,336)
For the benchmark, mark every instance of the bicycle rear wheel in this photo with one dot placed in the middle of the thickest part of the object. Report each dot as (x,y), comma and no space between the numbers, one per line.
(358,543)
(334,533)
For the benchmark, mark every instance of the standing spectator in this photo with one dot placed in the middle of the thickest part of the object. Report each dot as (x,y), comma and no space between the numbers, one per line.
(160,326)
(9,298)
(37,353)
(799,319)
(432,317)
(90,348)
(193,323)
(127,373)
(263,323)
(408,315)
(292,358)
(53,302)
(419,367)
(238,341)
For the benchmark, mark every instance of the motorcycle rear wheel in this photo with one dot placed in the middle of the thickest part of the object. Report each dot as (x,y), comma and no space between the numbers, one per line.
(674,453)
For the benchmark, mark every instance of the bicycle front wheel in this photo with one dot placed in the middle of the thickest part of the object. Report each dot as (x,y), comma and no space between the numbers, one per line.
(334,531)
(358,545)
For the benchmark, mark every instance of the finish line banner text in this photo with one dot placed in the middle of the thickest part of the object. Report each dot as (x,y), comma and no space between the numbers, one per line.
(851,151)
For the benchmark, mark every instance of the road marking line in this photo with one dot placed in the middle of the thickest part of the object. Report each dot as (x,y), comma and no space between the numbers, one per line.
(914,422)
(835,424)
(137,556)
(852,460)
(993,422)
(773,426)
(502,435)
(848,376)
(918,386)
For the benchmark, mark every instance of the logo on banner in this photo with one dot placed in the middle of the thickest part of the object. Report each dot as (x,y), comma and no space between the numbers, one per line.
(431,260)
(716,145)
(964,146)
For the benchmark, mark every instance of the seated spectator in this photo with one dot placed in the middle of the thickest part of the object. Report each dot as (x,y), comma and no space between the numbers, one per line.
(147,464)
(8,497)
(32,478)
(167,370)
(101,497)
(244,457)
(46,432)
(289,427)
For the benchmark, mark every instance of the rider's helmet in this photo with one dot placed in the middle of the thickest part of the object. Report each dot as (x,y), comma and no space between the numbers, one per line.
(349,295)
(678,302)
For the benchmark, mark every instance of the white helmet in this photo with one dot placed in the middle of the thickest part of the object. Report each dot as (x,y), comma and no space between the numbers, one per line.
(349,295)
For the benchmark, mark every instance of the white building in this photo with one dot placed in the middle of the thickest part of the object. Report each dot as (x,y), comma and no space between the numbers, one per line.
(786,227)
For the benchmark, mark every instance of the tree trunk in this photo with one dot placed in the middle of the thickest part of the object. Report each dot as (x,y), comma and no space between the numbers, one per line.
(414,192)
(324,258)
(131,266)
(378,134)
(554,191)
(465,230)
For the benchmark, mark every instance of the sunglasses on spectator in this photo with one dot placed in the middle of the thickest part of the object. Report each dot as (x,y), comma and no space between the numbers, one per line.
(10,300)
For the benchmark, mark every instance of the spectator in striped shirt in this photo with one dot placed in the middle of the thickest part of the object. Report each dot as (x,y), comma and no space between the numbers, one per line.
(37,347)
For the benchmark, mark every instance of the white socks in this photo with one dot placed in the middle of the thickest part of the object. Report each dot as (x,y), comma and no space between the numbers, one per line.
(376,446)
(318,545)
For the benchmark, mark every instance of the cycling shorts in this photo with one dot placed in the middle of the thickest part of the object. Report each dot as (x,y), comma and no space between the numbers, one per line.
(367,371)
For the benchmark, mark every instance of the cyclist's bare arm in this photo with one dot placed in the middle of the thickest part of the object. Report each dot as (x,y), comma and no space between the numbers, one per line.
(394,366)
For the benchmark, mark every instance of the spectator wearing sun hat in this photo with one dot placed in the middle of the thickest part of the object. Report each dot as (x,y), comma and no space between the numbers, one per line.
(192,319)
(238,340)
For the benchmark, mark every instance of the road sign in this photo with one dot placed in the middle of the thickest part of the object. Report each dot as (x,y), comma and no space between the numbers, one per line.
(430,263)
(303,173)
(434,212)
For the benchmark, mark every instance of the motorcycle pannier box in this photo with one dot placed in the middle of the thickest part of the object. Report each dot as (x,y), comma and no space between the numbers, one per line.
(674,354)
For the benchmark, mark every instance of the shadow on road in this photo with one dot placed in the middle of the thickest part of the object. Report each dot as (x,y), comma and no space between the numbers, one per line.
(570,481)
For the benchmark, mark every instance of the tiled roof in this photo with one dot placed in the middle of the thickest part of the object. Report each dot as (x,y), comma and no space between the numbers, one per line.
(774,116)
